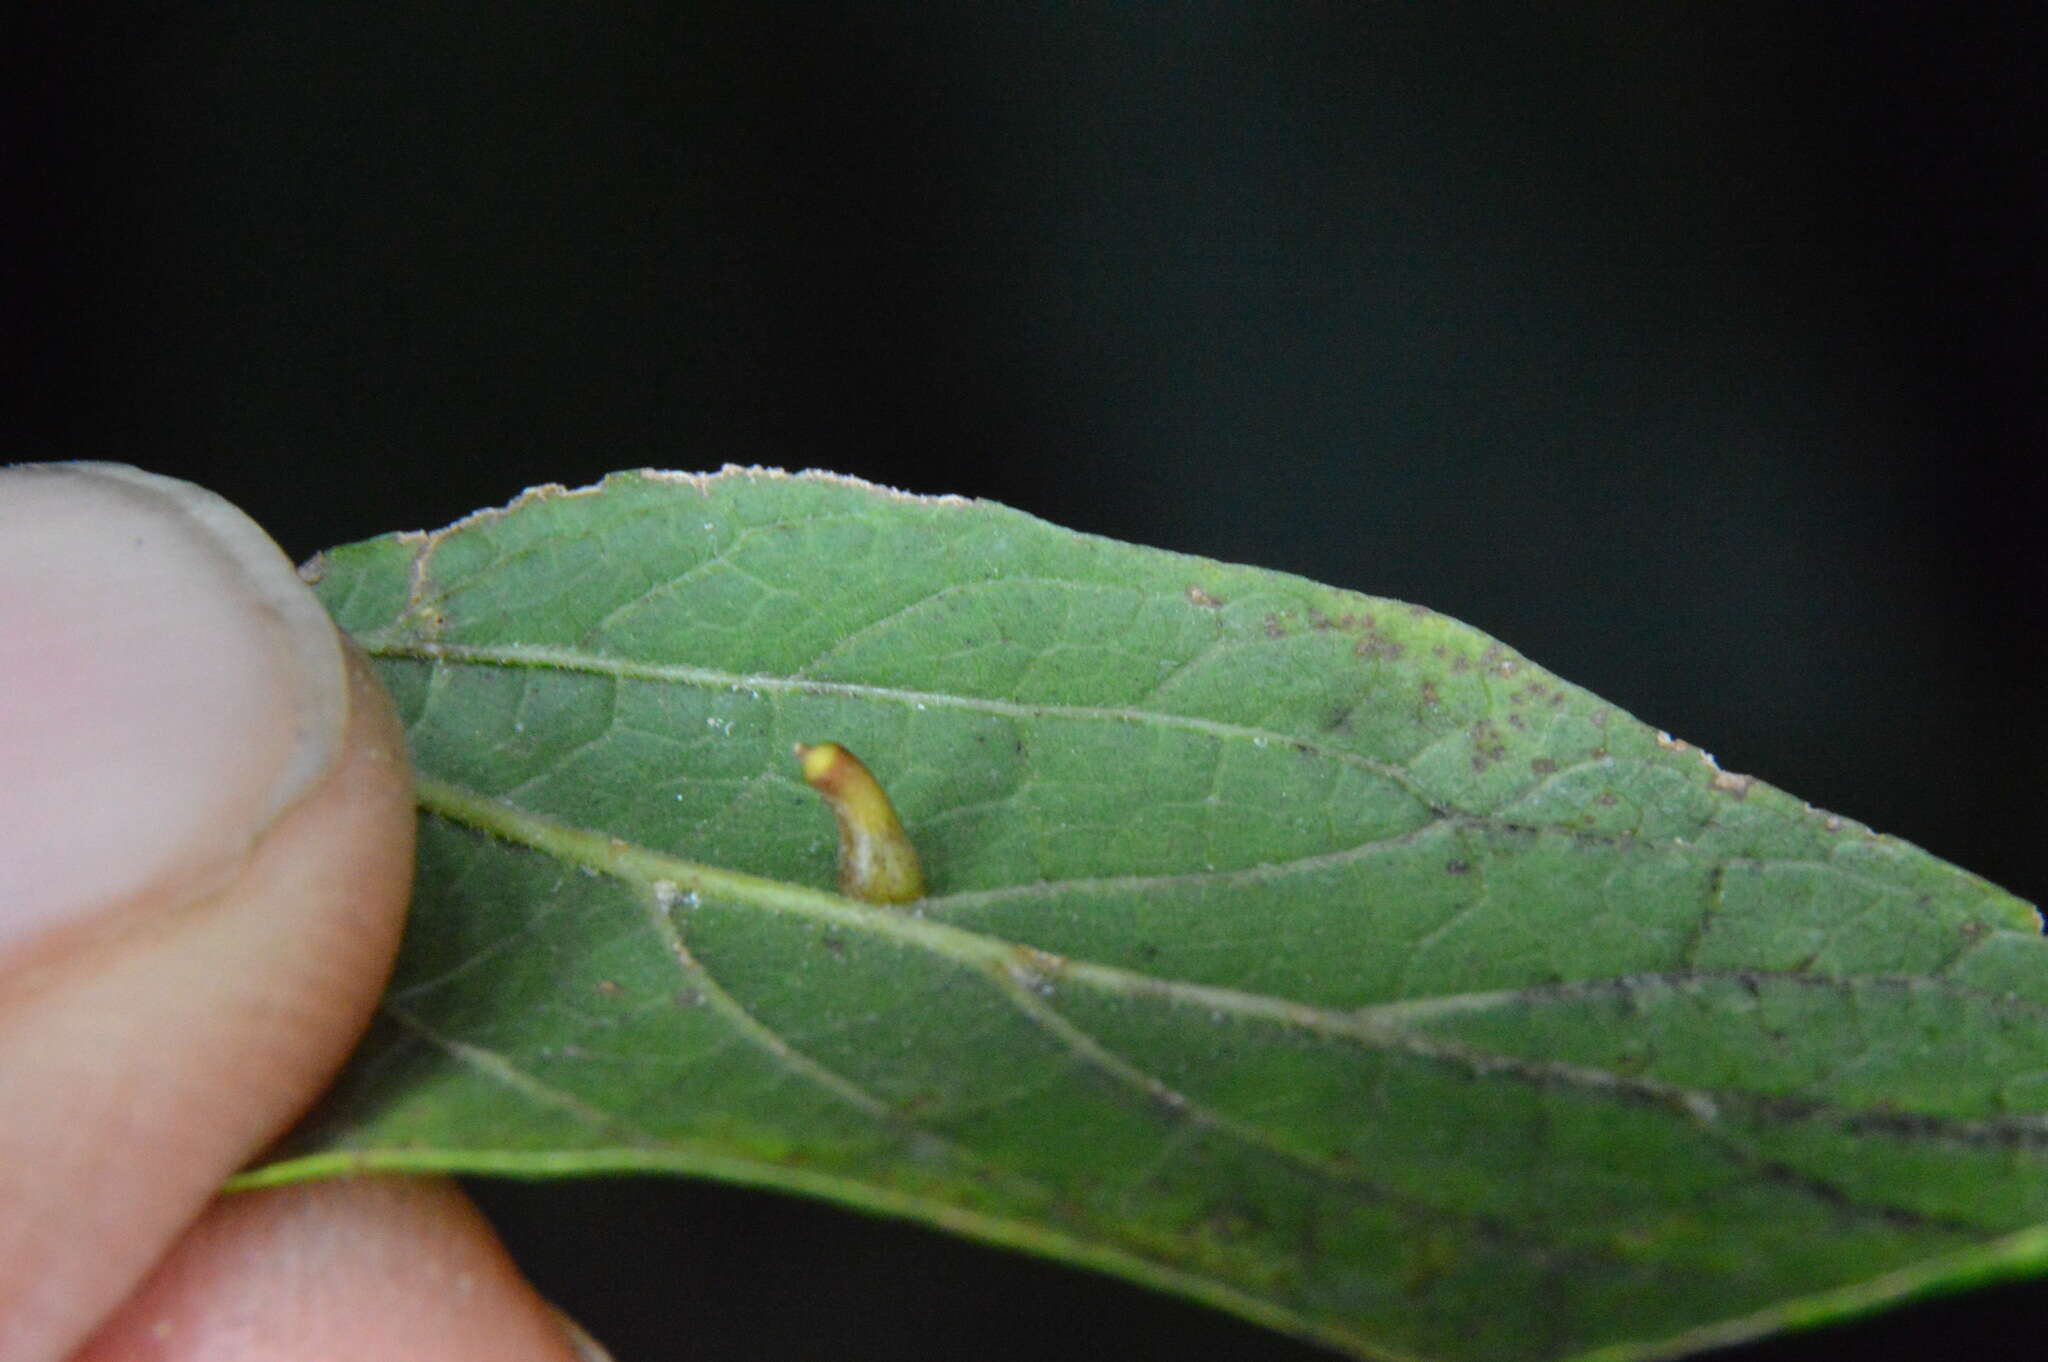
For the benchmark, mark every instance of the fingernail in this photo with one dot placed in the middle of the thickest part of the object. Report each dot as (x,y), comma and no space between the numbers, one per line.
(167,687)
(586,1348)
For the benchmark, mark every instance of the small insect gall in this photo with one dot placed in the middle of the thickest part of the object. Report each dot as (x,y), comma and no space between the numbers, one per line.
(877,863)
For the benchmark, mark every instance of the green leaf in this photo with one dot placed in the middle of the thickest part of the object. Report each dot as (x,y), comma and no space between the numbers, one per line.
(1304,953)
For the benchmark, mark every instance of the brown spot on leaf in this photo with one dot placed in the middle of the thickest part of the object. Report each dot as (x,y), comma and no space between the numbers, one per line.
(1038,961)
(916,1105)
(1349,622)
(1488,746)
(609,988)
(1543,766)
(1729,783)
(1457,867)
(1430,697)
(1168,1104)
(1197,596)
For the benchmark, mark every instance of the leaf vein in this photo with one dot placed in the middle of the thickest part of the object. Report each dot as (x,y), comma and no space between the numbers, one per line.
(496,1067)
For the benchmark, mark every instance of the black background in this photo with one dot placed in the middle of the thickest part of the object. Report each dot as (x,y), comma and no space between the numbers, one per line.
(1692,349)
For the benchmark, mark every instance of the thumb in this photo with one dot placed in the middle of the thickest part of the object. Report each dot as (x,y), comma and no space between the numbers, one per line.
(205,845)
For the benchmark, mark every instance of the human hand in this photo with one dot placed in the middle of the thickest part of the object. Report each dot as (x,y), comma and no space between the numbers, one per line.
(205,850)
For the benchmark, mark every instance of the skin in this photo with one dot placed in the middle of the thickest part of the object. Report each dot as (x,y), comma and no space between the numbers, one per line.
(155,1040)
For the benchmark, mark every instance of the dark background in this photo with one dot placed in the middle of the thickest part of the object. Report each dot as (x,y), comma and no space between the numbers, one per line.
(1692,349)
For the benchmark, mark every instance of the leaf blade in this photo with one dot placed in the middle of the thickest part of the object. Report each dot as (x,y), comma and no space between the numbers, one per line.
(1309,954)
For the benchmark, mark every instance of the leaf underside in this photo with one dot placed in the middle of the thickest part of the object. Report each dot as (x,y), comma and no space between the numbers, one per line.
(1305,953)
